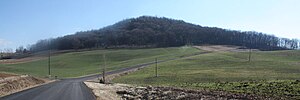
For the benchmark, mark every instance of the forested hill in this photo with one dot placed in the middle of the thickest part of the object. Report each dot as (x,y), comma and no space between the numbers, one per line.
(147,31)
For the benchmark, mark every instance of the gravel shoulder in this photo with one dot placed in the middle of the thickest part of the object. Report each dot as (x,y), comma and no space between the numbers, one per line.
(106,91)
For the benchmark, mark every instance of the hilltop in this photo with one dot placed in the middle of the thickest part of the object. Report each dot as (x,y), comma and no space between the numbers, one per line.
(148,31)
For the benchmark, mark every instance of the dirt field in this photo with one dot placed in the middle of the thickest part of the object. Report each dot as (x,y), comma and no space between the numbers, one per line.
(223,48)
(35,57)
(22,60)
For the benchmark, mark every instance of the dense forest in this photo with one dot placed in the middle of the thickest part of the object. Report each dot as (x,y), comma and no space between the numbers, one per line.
(147,31)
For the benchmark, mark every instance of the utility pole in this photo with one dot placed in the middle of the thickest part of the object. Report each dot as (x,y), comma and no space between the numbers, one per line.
(49,53)
(249,59)
(104,68)
(156,67)
(250,51)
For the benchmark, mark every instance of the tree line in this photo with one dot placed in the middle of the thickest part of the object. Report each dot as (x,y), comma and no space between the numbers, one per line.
(147,31)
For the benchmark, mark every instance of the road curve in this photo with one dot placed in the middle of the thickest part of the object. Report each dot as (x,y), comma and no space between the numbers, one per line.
(65,89)
(69,89)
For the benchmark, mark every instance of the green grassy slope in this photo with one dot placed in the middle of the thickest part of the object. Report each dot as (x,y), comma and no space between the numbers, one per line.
(90,62)
(226,66)
(205,71)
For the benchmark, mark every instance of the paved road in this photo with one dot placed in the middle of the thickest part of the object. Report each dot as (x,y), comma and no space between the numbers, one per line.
(69,89)
(66,89)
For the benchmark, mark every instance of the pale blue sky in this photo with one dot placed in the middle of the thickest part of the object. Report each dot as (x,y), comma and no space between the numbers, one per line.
(24,22)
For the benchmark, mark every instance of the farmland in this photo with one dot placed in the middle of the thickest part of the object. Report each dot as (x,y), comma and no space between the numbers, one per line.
(74,64)
(226,71)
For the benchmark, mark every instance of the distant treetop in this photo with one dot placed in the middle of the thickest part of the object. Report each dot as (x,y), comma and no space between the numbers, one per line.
(148,31)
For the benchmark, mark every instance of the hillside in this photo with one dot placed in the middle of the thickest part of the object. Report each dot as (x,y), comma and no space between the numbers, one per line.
(147,31)
(74,64)
(223,66)
(271,73)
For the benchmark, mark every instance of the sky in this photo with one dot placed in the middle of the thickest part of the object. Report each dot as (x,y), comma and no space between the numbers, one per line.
(24,22)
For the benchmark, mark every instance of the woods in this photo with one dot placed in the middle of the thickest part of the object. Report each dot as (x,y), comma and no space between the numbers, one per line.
(147,31)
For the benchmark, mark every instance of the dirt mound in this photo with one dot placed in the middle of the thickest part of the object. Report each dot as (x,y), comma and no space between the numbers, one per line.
(13,84)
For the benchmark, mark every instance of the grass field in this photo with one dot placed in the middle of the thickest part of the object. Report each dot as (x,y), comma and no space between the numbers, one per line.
(269,72)
(76,64)
(208,70)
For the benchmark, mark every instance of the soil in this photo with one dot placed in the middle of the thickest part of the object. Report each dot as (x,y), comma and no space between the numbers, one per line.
(130,92)
(170,93)
(4,75)
(14,83)
(106,91)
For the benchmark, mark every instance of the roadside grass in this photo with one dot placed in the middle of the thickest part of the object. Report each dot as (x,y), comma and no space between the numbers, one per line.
(76,64)
(209,70)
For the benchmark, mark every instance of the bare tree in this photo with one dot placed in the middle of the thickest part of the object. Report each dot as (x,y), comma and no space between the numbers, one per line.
(103,70)
(1,53)
(8,50)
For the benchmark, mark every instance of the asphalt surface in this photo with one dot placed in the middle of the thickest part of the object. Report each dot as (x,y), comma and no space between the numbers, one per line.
(69,89)
(65,89)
